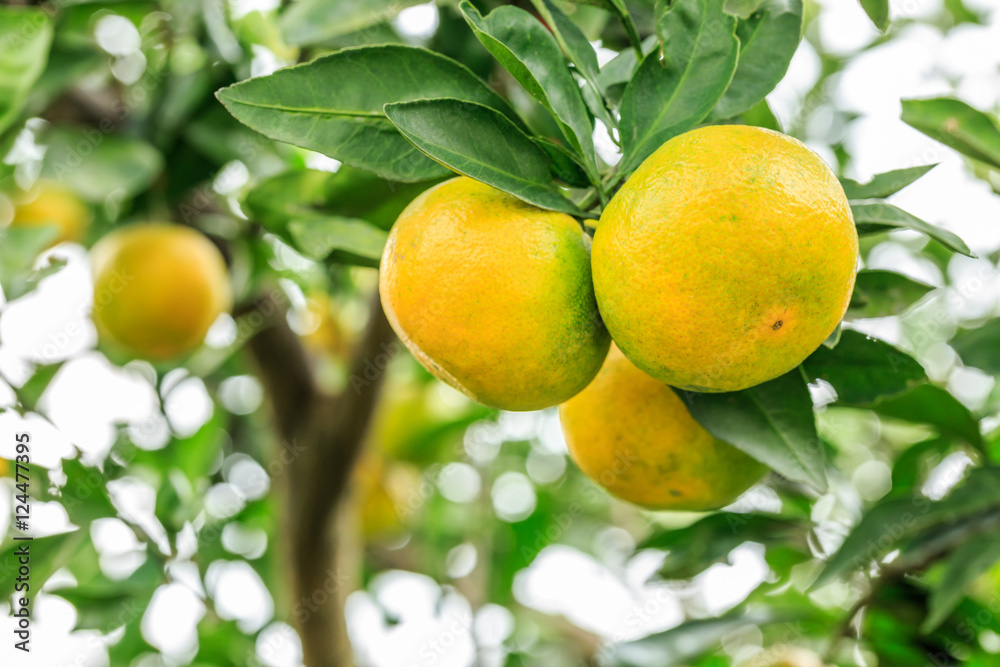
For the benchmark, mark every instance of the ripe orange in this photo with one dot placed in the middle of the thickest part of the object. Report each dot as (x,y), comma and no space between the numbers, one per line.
(49,203)
(634,436)
(158,288)
(726,258)
(494,296)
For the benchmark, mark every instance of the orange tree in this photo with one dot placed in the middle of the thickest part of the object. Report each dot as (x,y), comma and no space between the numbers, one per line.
(727,263)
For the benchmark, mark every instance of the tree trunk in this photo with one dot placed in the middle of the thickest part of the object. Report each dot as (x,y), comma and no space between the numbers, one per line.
(321,438)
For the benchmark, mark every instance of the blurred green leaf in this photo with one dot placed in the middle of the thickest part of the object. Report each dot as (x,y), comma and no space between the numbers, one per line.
(768,39)
(105,604)
(223,643)
(882,293)
(197,454)
(530,53)
(885,184)
(668,97)
(25,39)
(878,12)
(307,22)
(875,217)
(910,468)
(693,549)
(32,390)
(481,143)
(683,643)
(891,522)
(967,562)
(330,105)
(958,125)
(927,404)
(100,166)
(84,495)
(19,247)
(317,237)
(864,369)
(772,422)
(978,347)
(47,554)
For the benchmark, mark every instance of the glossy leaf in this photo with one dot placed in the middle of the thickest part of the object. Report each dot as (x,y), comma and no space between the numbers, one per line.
(864,369)
(530,53)
(772,422)
(25,39)
(882,293)
(331,106)
(878,12)
(481,143)
(980,347)
(970,560)
(312,21)
(875,217)
(927,404)
(671,95)
(958,125)
(768,38)
(885,184)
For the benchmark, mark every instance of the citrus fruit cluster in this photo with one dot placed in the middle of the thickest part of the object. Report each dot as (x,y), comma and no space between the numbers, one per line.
(722,262)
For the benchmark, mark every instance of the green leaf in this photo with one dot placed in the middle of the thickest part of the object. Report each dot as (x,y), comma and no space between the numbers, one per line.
(958,125)
(481,143)
(19,246)
(878,12)
(875,217)
(564,166)
(681,644)
(927,404)
(772,422)
(47,554)
(864,369)
(25,38)
(196,454)
(84,496)
(693,549)
(743,9)
(768,40)
(31,391)
(104,604)
(530,53)
(961,568)
(883,185)
(318,237)
(891,522)
(347,193)
(309,22)
(331,105)
(978,347)
(99,166)
(668,97)
(882,293)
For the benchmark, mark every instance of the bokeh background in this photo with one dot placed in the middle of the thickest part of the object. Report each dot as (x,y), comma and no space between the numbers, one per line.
(476,542)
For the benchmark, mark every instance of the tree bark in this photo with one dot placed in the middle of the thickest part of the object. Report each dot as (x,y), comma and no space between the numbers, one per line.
(322,436)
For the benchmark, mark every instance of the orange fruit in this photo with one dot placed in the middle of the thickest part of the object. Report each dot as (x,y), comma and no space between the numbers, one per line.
(726,258)
(49,203)
(634,436)
(158,288)
(494,296)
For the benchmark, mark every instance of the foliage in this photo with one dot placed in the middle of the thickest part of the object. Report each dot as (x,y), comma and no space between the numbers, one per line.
(213,134)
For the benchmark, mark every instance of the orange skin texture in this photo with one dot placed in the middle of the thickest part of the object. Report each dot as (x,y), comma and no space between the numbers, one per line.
(158,288)
(634,436)
(726,259)
(494,296)
(49,203)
